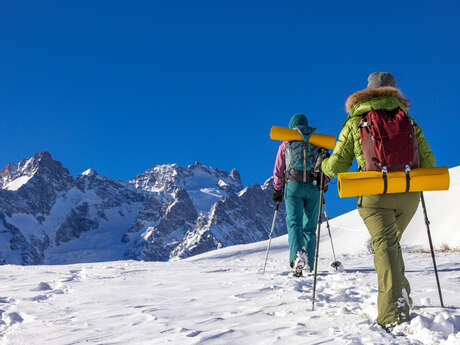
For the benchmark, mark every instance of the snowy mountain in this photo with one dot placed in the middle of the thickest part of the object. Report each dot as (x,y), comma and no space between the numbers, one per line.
(47,216)
(167,212)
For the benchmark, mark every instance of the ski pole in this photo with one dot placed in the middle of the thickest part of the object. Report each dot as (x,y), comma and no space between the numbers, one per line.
(318,231)
(271,232)
(336,264)
(427,222)
(328,228)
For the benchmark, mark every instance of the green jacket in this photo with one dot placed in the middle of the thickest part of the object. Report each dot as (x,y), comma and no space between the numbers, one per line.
(349,146)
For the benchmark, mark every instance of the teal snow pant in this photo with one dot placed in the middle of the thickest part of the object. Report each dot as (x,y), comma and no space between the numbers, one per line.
(302,204)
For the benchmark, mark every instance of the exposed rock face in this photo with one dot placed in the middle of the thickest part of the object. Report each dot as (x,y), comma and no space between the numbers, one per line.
(76,222)
(168,212)
(240,218)
(163,231)
(32,185)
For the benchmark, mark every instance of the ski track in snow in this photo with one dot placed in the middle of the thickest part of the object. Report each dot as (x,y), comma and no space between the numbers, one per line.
(220,297)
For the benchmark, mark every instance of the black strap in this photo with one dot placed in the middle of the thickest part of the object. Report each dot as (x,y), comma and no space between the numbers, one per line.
(407,178)
(304,162)
(298,176)
(385,180)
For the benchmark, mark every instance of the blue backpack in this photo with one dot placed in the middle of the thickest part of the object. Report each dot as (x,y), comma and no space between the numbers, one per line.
(301,156)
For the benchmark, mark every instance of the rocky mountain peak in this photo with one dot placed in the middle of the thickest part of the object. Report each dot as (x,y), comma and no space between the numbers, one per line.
(268,184)
(234,174)
(89,172)
(159,178)
(15,175)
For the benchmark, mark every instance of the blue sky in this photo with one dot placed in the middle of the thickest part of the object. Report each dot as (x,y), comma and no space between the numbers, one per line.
(121,86)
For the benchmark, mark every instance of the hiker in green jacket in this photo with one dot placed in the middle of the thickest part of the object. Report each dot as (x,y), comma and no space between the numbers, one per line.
(386,216)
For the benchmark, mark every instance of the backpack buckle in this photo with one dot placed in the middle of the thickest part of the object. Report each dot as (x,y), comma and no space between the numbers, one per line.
(363,124)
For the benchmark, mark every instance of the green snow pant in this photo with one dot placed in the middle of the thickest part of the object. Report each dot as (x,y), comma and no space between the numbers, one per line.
(386,217)
(302,202)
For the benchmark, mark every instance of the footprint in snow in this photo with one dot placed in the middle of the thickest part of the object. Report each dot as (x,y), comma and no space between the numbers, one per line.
(220,334)
(12,318)
(6,300)
(150,311)
(221,270)
(210,321)
(190,332)
(46,287)
(40,298)
(75,276)
(193,334)
(43,286)
(8,320)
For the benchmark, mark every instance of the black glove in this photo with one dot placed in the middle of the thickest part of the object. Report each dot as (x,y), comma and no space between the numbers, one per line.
(323,154)
(277,195)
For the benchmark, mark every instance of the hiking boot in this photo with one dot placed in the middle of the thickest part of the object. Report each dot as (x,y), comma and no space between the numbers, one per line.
(300,263)
(388,328)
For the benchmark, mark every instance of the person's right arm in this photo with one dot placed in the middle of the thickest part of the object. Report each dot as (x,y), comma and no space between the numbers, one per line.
(427,159)
(343,154)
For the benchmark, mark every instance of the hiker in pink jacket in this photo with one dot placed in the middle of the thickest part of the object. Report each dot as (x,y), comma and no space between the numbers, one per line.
(295,179)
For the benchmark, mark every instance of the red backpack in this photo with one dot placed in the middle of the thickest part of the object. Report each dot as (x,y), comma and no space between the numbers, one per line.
(389,142)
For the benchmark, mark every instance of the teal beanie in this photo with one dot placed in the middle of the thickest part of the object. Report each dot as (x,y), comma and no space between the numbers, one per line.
(298,119)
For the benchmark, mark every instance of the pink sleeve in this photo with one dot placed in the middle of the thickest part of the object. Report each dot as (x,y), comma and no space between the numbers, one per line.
(280,167)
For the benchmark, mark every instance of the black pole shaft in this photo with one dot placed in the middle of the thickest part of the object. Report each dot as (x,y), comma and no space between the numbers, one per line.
(318,233)
(271,232)
(427,222)
(329,228)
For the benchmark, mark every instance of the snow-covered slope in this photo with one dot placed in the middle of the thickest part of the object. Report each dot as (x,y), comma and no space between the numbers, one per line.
(220,297)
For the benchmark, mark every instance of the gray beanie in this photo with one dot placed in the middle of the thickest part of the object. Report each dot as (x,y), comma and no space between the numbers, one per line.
(379,79)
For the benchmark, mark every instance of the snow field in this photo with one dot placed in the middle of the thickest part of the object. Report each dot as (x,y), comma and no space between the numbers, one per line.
(17,183)
(220,297)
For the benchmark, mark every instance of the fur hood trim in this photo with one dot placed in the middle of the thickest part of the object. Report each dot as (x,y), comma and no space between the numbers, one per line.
(367,94)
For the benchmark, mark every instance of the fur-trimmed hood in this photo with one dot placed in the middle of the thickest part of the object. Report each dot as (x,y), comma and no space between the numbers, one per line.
(367,94)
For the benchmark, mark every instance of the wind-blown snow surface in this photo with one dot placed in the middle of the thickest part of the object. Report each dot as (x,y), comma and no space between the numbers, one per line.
(220,297)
